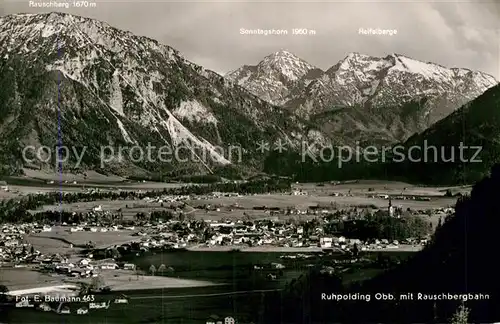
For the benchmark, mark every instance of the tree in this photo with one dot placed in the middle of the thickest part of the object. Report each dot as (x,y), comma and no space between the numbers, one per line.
(32,250)
(97,283)
(170,271)
(162,268)
(3,293)
(152,269)
(84,289)
(190,217)
(355,250)
(461,316)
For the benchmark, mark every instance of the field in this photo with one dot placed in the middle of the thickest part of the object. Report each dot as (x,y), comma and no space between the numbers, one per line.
(383,187)
(360,197)
(36,182)
(302,202)
(129,207)
(91,176)
(60,238)
(18,278)
(123,280)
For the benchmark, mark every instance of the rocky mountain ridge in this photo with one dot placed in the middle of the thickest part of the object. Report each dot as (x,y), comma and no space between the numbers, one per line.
(80,82)
(361,97)
(274,77)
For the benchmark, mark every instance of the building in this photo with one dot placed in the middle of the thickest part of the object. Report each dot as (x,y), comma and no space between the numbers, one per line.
(45,307)
(213,319)
(129,266)
(84,262)
(109,266)
(326,242)
(121,300)
(229,320)
(24,303)
(82,311)
(65,310)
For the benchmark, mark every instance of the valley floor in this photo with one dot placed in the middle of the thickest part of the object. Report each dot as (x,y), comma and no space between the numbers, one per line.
(26,280)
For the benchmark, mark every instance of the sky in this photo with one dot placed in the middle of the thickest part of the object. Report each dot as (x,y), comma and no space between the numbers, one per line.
(451,33)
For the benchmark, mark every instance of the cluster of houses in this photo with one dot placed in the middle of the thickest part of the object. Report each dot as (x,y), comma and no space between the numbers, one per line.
(13,248)
(400,197)
(342,243)
(319,210)
(83,268)
(250,233)
(169,234)
(59,264)
(182,198)
(254,233)
(94,228)
(15,251)
(292,235)
(62,307)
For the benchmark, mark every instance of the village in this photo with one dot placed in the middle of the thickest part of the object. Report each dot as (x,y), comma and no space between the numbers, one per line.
(174,230)
(86,246)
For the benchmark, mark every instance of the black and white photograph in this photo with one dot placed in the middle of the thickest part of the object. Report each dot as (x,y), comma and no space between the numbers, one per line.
(238,162)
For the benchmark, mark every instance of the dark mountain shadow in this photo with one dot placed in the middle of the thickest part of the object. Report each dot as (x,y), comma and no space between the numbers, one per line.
(459,260)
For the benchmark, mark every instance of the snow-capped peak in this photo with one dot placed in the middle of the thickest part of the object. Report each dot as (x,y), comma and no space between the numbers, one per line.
(392,81)
(359,62)
(286,64)
(428,71)
(274,77)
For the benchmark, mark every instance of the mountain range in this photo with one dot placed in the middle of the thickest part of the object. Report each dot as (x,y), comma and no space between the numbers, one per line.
(467,144)
(458,149)
(362,98)
(78,82)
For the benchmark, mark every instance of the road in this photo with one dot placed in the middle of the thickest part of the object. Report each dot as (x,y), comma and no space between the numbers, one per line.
(206,295)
